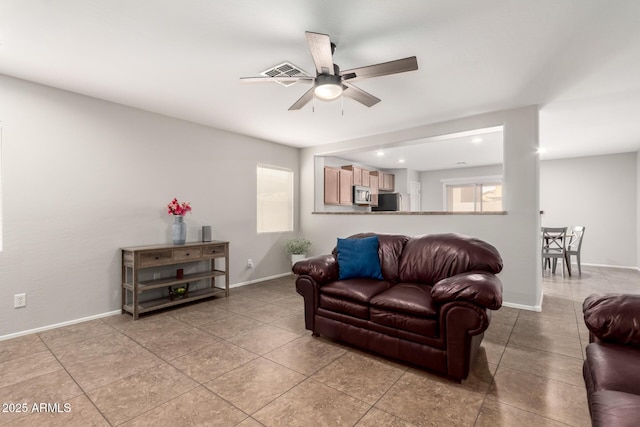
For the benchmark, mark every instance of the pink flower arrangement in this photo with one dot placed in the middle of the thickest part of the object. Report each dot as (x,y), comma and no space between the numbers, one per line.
(176,208)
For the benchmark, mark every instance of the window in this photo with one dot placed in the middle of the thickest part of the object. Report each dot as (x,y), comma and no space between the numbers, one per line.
(482,194)
(274,199)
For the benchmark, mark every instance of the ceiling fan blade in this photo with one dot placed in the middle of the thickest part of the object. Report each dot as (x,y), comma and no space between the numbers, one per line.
(383,69)
(359,95)
(304,100)
(320,47)
(282,79)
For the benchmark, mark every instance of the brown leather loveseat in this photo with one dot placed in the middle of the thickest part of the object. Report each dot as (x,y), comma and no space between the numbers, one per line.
(612,363)
(430,306)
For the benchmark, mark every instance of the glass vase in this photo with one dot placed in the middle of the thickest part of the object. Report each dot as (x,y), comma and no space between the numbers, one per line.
(179,230)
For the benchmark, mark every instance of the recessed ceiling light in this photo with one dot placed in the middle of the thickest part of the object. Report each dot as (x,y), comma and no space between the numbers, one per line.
(542,150)
(401,161)
(380,153)
(476,140)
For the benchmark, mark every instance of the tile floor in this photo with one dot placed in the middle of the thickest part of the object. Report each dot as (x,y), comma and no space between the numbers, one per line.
(247,361)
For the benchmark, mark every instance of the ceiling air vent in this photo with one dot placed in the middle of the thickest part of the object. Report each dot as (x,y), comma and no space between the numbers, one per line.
(286,69)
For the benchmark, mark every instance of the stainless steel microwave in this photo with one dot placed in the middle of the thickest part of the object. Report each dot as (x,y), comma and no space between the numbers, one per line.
(361,195)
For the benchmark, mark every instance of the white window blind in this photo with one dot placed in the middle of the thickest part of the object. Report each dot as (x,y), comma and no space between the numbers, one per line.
(274,199)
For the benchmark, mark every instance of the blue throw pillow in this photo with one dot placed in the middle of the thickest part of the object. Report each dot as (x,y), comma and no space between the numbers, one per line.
(358,259)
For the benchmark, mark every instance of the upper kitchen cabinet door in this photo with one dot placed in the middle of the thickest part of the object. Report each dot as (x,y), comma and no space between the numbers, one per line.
(366,178)
(346,187)
(373,184)
(331,186)
(389,181)
(356,172)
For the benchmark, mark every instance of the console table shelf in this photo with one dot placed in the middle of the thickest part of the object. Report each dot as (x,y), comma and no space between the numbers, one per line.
(146,285)
(148,259)
(160,303)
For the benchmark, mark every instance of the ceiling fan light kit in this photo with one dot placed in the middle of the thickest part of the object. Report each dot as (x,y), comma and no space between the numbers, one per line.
(328,87)
(329,83)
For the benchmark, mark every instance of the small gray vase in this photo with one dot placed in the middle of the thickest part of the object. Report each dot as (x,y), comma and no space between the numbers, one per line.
(179,230)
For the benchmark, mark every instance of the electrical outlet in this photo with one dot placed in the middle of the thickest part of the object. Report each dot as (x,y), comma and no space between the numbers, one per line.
(19,300)
(250,263)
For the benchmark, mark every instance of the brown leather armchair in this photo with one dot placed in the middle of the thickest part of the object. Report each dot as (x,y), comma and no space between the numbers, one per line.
(431,307)
(611,367)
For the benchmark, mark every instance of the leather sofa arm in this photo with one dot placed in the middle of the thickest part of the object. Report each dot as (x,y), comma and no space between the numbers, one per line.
(321,268)
(613,317)
(480,287)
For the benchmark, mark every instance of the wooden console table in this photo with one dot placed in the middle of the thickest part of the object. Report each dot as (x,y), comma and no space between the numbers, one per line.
(146,259)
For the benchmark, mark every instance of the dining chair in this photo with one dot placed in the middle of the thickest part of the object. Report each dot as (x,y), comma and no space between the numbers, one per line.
(574,244)
(554,240)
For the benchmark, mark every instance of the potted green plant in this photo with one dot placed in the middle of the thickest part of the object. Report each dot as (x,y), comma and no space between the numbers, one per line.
(298,248)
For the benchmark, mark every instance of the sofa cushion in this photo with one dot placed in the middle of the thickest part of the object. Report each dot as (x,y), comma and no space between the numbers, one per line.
(613,367)
(405,322)
(344,306)
(359,290)
(614,408)
(358,258)
(409,298)
(405,306)
(430,258)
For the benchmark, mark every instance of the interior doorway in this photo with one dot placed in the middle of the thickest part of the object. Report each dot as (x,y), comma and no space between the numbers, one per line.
(414,196)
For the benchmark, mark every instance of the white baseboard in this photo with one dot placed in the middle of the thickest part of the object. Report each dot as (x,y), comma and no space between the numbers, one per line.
(261,279)
(115,312)
(59,325)
(537,308)
(631,267)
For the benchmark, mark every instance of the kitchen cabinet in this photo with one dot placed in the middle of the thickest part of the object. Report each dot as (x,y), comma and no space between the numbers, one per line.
(389,181)
(366,178)
(346,187)
(331,186)
(338,186)
(360,175)
(374,189)
(386,181)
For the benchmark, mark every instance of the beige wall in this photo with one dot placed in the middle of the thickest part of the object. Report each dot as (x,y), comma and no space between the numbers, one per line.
(596,191)
(599,192)
(83,177)
(637,233)
(516,235)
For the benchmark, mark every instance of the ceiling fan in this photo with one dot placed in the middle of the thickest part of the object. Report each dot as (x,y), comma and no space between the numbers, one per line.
(330,82)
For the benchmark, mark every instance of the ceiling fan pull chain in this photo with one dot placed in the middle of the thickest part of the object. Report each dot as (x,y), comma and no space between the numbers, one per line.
(342,104)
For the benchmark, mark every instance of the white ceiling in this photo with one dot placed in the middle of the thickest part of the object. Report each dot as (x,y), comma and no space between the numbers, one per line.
(481,147)
(578,59)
